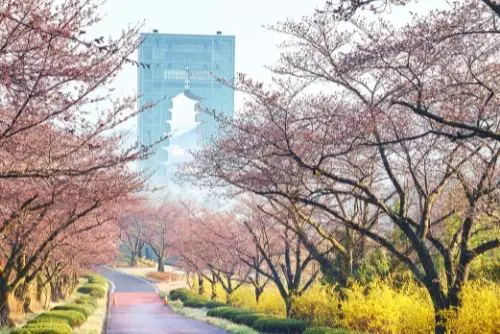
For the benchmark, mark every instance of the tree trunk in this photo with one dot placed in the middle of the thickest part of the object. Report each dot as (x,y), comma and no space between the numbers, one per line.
(229,297)
(258,293)
(201,285)
(133,259)
(161,264)
(288,305)
(5,307)
(443,304)
(22,295)
(213,286)
(61,287)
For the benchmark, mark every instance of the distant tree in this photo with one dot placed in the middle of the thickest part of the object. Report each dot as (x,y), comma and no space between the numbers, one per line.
(162,219)
(133,225)
(287,263)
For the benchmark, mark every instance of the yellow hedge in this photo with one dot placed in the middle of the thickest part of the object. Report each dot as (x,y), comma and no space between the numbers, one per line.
(480,311)
(380,308)
(319,306)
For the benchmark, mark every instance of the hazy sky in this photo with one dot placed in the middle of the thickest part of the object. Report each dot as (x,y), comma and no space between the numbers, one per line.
(255,45)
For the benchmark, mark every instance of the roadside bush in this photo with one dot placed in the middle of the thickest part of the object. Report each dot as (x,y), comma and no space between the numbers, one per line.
(276,325)
(380,308)
(181,294)
(95,290)
(232,314)
(195,301)
(271,302)
(249,318)
(220,312)
(85,309)
(214,303)
(243,297)
(44,328)
(72,318)
(318,306)
(96,279)
(327,330)
(87,300)
(480,309)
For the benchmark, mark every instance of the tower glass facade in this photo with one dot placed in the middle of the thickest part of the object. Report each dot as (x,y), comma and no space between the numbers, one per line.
(181,64)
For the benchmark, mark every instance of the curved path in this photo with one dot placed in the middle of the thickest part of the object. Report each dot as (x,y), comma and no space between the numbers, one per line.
(136,308)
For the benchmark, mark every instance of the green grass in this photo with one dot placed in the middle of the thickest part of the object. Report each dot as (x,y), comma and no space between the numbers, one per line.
(95,322)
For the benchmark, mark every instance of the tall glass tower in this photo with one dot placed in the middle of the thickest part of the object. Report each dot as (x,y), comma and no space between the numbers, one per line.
(188,65)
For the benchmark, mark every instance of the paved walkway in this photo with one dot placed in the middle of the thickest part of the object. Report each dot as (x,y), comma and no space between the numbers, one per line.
(136,308)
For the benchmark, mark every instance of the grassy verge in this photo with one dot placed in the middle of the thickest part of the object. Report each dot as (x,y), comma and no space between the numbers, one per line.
(83,313)
(95,323)
(201,314)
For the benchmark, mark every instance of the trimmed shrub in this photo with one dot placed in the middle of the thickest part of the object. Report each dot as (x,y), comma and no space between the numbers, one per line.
(227,312)
(214,303)
(249,318)
(96,279)
(87,300)
(195,301)
(181,294)
(95,290)
(220,312)
(72,318)
(327,330)
(44,328)
(85,309)
(232,314)
(216,312)
(276,325)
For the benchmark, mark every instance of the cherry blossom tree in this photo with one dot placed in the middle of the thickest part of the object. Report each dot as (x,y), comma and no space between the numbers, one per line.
(65,209)
(163,218)
(287,263)
(133,224)
(208,242)
(402,121)
(63,168)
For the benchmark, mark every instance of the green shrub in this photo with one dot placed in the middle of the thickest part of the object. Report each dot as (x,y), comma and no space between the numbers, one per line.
(96,279)
(232,314)
(249,318)
(181,294)
(72,318)
(86,300)
(214,303)
(195,301)
(327,330)
(44,328)
(227,312)
(276,325)
(95,290)
(220,311)
(85,309)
